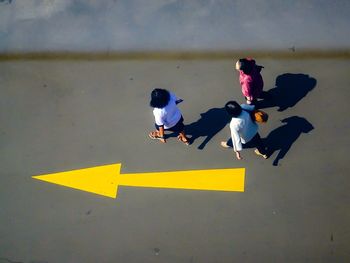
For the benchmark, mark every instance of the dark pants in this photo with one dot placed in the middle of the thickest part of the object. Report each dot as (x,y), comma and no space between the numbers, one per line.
(178,127)
(255,142)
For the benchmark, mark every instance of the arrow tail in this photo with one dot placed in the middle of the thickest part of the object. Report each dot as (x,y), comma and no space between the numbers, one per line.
(215,179)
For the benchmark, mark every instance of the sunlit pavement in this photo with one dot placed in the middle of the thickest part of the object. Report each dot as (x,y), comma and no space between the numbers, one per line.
(65,115)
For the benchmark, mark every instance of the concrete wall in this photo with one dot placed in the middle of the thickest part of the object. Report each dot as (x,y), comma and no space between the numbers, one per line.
(119,25)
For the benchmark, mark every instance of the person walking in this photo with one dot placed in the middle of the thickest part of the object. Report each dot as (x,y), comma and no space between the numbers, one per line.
(243,130)
(167,116)
(250,79)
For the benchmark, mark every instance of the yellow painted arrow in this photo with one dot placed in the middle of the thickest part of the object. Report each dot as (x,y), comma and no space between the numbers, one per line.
(104,180)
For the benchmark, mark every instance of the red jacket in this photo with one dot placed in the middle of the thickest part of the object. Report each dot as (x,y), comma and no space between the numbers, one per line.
(252,84)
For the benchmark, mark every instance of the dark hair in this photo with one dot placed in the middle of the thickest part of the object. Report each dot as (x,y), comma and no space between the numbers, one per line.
(246,65)
(233,108)
(159,98)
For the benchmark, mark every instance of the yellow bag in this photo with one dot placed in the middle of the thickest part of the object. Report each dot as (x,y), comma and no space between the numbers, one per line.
(259,116)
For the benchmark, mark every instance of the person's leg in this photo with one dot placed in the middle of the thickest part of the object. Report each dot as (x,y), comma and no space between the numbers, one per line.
(227,144)
(157,134)
(254,101)
(260,147)
(251,101)
(182,137)
(157,128)
(180,129)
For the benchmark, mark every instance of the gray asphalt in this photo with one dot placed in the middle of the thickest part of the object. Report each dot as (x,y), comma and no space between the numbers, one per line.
(64,115)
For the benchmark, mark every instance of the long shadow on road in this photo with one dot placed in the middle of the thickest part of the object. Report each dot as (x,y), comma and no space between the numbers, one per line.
(210,123)
(282,138)
(288,91)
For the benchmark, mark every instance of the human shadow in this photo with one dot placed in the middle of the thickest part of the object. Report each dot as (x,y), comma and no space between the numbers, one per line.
(209,124)
(289,90)
(282,138)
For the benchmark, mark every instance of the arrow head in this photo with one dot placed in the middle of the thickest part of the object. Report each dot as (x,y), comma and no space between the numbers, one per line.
(101,180)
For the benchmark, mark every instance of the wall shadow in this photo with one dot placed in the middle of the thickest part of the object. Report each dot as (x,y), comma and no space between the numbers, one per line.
(282,138)
(209,124)
(289,90)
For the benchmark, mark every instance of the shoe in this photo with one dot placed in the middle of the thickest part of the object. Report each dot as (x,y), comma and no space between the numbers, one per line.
(260,154)
(154,136)
(184,140)
(224,144)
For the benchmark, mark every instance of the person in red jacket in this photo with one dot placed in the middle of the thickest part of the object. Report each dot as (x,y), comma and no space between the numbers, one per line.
(250,79)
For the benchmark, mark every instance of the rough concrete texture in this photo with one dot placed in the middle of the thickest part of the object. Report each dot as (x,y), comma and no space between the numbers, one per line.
(124,25)
(63,115)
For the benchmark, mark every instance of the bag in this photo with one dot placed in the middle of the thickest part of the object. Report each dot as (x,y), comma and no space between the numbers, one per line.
(259,116)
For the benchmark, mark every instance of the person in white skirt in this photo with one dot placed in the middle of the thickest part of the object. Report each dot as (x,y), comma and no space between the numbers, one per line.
(167,116)
(243,130)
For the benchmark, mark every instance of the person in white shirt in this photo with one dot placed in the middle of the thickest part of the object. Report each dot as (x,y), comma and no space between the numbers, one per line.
(243,130)
(167,115)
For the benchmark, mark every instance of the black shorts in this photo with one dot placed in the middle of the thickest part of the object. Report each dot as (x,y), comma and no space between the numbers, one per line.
(178,127)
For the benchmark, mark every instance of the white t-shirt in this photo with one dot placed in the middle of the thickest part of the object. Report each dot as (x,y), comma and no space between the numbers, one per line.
(169,115)
(243,129)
